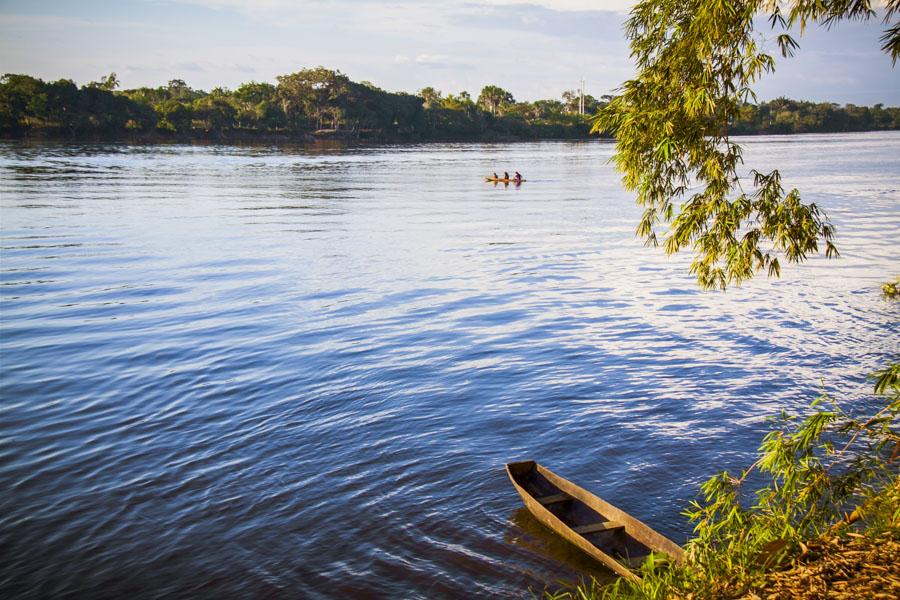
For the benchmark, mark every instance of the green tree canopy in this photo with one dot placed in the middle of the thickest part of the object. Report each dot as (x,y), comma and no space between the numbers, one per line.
(255,105)
(431,97)
(107,83)
(314,92)
(547,108)
(62,101)
(460,102)
(213,112)
(493,99)
(179,90)
(254,92)
(21,97)
(697,61)
(571,101)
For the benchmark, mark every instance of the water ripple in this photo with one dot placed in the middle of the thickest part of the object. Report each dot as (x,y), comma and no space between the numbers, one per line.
(267,372)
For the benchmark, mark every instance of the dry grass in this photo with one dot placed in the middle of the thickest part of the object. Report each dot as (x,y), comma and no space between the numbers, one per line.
(839,568)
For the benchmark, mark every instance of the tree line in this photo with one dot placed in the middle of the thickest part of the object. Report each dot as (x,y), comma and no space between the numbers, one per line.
(796,116)
(311,102)
(319,102)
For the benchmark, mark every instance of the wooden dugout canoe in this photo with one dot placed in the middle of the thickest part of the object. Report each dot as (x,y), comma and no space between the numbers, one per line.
(502,180)
(606,533)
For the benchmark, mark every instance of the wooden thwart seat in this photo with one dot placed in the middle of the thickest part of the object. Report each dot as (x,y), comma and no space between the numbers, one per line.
(597,527)
(553,499)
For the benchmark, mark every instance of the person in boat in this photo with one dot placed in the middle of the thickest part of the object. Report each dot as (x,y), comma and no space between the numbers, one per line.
(506,175)
(518,177)
(495,175)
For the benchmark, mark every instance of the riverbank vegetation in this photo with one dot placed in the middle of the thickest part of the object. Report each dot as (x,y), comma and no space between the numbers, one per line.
(825,514)
(311,103)
(322,103)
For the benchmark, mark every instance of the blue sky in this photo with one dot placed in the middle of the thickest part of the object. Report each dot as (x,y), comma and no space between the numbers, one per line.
(534,49)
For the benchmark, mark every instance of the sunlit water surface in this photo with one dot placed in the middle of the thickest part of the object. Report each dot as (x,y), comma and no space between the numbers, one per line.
(269,372)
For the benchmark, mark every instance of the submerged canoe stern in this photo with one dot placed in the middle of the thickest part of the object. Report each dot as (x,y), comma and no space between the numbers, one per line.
(516,472)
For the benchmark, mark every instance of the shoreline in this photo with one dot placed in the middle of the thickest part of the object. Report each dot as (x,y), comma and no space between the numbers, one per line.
(279,139)
(310,140)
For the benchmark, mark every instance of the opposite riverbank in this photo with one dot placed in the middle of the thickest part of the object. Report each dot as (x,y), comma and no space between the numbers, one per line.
(320,104)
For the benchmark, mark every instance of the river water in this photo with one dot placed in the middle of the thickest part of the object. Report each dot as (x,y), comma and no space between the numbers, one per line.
(294,373)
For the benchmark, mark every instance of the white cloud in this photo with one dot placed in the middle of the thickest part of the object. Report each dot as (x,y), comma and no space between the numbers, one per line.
(430,59)
(572,5)
(248,5)
(10,22)
(254,6)
(44,22)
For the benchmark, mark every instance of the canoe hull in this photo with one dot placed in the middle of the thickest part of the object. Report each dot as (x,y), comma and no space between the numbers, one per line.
(630,527)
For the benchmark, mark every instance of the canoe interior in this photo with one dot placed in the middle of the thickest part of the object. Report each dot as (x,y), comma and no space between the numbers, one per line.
(617,543)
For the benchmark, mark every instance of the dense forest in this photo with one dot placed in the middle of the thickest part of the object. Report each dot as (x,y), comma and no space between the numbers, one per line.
(322,103)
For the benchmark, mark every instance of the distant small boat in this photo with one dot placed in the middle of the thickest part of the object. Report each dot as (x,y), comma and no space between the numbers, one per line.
(503,180)
(606,533)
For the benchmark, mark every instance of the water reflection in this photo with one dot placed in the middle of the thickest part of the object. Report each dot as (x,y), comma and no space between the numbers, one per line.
(528,533)
(272,372)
